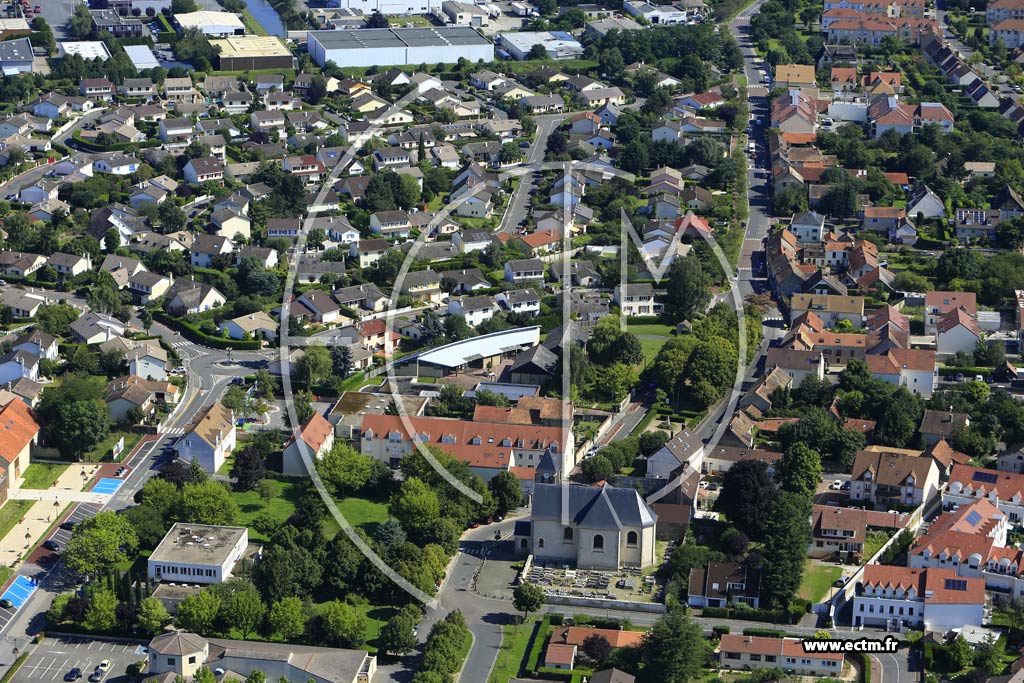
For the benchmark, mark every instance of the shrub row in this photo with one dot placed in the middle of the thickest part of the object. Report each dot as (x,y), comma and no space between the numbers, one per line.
(193,333)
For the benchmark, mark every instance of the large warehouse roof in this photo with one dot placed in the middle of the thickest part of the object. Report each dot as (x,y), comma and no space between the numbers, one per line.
(205,19)
(485,346)
(250,46)
(361,39)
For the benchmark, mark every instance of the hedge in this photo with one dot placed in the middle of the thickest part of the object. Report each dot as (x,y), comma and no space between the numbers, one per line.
(14,667)
(193,333)
(537,646)
(953,371)
(865,665)
(720,630)
(764,632)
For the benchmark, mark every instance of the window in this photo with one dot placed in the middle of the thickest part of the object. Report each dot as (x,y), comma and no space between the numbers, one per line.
(540,542)
(598,543)
(172,661)
(732,655)
(192,659)
(770,658)
(631,539)
(567,534)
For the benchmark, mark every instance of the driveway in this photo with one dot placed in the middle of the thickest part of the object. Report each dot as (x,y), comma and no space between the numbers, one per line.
(54,657)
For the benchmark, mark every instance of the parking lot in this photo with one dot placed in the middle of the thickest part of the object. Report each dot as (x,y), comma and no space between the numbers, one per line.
(54,657)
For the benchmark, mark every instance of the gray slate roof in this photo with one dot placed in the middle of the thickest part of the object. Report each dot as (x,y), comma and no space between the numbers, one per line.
(602,507)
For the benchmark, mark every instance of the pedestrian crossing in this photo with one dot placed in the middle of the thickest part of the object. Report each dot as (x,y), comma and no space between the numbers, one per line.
(175,431)
(181,344)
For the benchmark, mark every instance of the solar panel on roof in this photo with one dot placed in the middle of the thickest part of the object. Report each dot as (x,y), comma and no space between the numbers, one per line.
(986,477)
(956,584)
(973,518)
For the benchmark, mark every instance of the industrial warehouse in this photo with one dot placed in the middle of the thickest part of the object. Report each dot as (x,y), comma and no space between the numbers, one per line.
(248,53)
(396,46)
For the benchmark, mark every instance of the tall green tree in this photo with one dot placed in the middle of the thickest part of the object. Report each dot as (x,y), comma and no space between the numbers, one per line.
(100,542)
(528,597)
(747,497)
(688,290)
(287,618)
(799,470)
(674,651)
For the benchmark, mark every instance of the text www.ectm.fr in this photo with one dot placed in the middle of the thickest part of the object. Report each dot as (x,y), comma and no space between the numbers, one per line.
(885,645)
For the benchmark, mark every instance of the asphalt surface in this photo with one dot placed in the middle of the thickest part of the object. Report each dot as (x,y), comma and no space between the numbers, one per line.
(516,212)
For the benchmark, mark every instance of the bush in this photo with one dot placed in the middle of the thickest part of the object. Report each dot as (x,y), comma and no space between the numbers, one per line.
(720,630)
(764,632)
(195,334)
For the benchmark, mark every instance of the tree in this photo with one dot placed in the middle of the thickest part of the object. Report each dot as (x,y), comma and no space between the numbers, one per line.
(688,290)
(799,470)
(397,635)
(246,609)
(208,502)
(198,612)
(249,467)
(959,653)
(597,468)
(341,361)
(597,648)
(787,533)
(152,615)
(674,651)
(611,63)
(303,403)
(747,496)
(55,318)
(100,542)
(416,505)
(315,364)
(537,51)
(342,625)
(78,427)
(317,89)
(344,469)
(377,20)
(287,618)
(183,6)
(508,493)
(527,597)
(456,328)
(101,615)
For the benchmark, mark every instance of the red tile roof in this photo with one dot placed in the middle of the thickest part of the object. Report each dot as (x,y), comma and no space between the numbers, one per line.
(18,427)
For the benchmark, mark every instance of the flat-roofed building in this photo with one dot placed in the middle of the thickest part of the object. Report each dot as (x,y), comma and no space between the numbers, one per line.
(387,46)
(249,53)
(211,23)
(198,553)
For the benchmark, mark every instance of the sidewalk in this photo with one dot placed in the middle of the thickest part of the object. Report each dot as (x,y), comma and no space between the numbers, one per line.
(38,518)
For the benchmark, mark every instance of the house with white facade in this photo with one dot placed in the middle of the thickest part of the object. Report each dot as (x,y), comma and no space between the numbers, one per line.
(209,439)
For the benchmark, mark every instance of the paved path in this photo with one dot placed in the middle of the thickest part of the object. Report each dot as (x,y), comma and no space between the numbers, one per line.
(61,496)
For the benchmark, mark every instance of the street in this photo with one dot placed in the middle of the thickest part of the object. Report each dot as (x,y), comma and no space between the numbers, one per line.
(516,211)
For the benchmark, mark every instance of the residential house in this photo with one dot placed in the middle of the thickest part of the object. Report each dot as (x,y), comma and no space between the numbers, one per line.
(209,439)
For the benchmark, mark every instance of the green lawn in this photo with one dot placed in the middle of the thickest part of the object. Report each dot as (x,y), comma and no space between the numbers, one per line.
(817,580)
(363,514)
(280,508)
(649,328)
(515,640)
(376,617)
(41,475)
(11,513)
(225,469)
(651,348)
(102,451)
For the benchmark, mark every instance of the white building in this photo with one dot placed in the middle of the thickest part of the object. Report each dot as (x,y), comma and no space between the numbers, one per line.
(557,46)
(209,439)
(935,599)
(212,23)
(198,553)
(1005,490)
(736,651)
(885,479)
(387,46)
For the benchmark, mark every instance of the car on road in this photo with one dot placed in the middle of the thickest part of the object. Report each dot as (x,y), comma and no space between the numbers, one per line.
(73,675)
(525,144)
(840,582)
(6,604)
(52,545)
(836,485)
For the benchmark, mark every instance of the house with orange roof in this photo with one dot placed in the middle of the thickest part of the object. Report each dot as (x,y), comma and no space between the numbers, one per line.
(936,599)
(796,76)
(576,635)
(956,331)
(844,530)
(317,437)
(893,79)
(914,369)
(938,303)
(882,218)
(795,112)
(560,656)
(486,447)
(736,651)
(1004,489)
(19,433)
(884,479)
(843,78)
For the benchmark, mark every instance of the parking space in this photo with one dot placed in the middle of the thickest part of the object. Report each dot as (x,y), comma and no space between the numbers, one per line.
(107,485)
(39,562)
(19,591)
(54,657)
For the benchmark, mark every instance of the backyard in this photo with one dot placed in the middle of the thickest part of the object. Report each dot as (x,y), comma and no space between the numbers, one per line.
(817,580)
(102,451)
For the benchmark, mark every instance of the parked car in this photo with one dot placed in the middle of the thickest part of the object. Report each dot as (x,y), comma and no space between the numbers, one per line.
(73,675)
(836,485)
(52,545)
(6,604)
